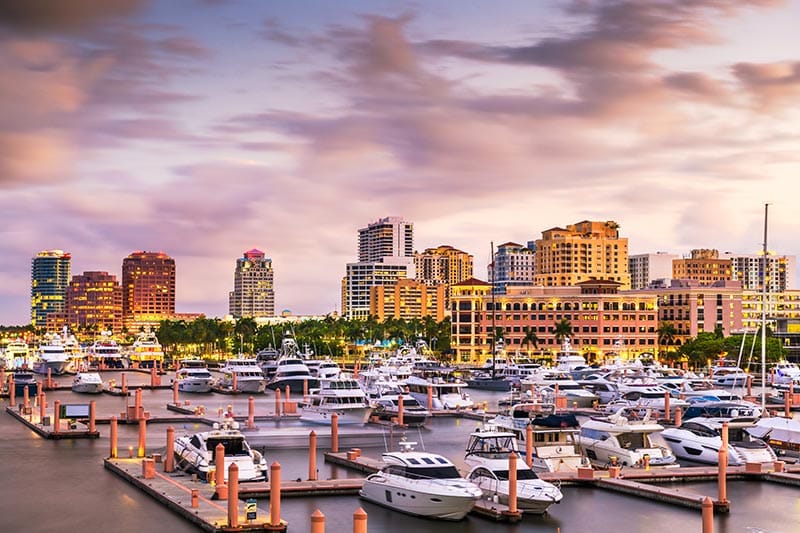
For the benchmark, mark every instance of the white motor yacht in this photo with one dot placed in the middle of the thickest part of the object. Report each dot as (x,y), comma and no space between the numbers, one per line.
(729,376)
(700,439)
(624,438)
(445,394)
(193,376)
(105,352)
(421,484)
(88,383)
(342,396)
(242,375)
(292,372)
(782,434)
(51,356)
(196,453)
(645,396)
(146,351)
(387,407)
(17,354)
(487,456)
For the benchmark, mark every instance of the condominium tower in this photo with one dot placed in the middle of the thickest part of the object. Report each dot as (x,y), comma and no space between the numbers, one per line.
(253,292)
(512,266)
(148,288)
(443,265)
(704,265)
(50,273)
(747,269)
(94,300)
(647,268)
(581,252)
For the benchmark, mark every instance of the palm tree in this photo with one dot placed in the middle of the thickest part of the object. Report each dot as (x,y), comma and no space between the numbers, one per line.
(530,338)
(562,330)
(666,334)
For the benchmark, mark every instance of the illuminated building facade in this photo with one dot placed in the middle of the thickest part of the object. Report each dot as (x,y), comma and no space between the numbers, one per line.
(443,265)
(148,288)
(407,299)
(747,269)
(253,292)
(605,322)
(94,302)
(703,266)
(50,275)
(581,252)
(513,265)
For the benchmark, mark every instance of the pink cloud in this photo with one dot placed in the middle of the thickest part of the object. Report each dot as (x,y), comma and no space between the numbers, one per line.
(771,84)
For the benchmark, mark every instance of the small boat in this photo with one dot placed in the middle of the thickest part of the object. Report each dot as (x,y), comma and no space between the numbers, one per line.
(700,439)
(782,434)
(24,379)
(783,373)
(342,396)
(193,376)
(487,456)
(387,407)
(446,394)
(196,453)
(625,439)
(242,375)
(421,484)
(87,383)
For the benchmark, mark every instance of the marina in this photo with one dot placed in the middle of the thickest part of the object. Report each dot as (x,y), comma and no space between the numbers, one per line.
(284,439)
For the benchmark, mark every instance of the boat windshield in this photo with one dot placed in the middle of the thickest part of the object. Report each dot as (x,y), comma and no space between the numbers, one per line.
(631,440)
(436,472)
(502,475)
(233,446)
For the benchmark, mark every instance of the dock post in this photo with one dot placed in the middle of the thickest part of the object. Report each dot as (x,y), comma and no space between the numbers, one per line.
(335,433)
(512,482)
(275,494)
(312,456)
(360,521)
(305,390)
(251,412)
(42,406)
(12,391)
(430,398)
(195,498)
(529,445)
(723,475)
(124,384)
(234,382)
(49,378)
(400,410)
(169,453)
(278,403)
(175,399)
(233,495)
(92,416)
(137,403)
(26,398)
(222,491)
(678,417)
(708,515)
(317,522)
(112,453)
(39,389)
(56,416)
(667,415)
(153,376)
(750,385)
(787,404)
(287,392)
(142,437)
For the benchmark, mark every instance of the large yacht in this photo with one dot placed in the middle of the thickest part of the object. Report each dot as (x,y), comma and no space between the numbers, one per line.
(17,354)
(700,439)
(51,356)
(193,376)
(446,394)
(105,353)
(242,375)
(146,351)
(291,369)
(342,396)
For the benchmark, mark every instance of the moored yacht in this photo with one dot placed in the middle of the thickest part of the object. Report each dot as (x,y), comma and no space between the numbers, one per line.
(194,376)
(487,457)
(292,372)
(17,355)
(196,453)
(105,353)
(700,439)
(51,356)
(421,484)
(387,407)
(445,394)
(242,375)
(342,396)
(146,351)
(87,383)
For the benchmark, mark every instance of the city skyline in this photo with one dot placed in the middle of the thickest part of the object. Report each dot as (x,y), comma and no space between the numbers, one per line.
(204,129)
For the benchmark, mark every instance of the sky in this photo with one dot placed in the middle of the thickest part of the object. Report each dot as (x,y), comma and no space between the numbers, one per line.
(205,128)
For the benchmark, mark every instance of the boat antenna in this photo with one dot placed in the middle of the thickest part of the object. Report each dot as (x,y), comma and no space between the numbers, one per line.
(494,331)
(764,313)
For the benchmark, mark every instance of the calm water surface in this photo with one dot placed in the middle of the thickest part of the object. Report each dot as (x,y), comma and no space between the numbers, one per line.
(61,485)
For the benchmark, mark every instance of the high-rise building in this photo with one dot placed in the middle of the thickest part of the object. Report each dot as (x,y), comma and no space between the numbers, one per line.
(94,300)
(50,273)
(443,265)
(253,292)
(385,254)
(512,266)
(747,269)
(582,252)
(704,266)
(406,299)
(647,268)
(148,288)
(387,237)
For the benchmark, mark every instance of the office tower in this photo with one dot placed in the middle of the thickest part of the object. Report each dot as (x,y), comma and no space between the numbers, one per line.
(512,266)
(253,292)
(385,255)
(647,268)
(704,266)
(50,273)
(94,302)
(148,288)
(581,252)
(747,269)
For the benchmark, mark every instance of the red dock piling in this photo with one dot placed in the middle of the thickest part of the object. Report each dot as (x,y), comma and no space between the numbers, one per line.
(312,456)
(335,433)
(219,474)
(708,515)
(360,521)
(92,417)
(142,437)
(400,410)
(175,399)
(56,416)
(529,446)
(251,413)
(512,482)
(113,438)
(169,454)
(278,402)
(233,495)
(317,522)
(275,494)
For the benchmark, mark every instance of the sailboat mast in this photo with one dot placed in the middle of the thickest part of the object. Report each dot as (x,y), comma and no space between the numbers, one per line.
(764,314)
(493,354)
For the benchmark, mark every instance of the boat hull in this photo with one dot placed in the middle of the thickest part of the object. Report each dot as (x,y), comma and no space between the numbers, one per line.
(297,386)
(56,368)
(196,385)
(315,415)
(502,385)
(88,388)
(441,505)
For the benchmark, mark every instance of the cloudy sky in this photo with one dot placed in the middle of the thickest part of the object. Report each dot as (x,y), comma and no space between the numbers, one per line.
(205,128)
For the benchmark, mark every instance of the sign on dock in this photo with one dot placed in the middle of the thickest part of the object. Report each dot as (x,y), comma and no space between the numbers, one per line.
(251,509)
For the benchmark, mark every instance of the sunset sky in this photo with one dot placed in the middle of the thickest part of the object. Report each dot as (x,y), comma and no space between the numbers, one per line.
(206,128)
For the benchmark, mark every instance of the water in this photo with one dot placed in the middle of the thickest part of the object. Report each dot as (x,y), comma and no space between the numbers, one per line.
(56,485)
